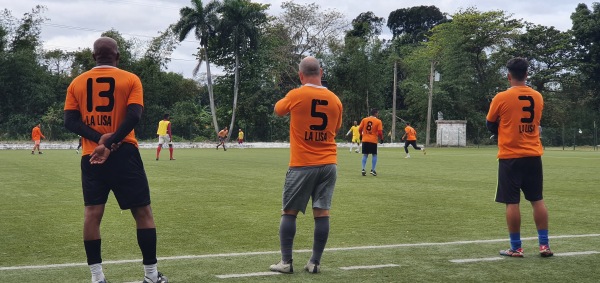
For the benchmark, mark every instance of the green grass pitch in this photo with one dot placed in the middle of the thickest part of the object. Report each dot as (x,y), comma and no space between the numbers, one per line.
(413,214)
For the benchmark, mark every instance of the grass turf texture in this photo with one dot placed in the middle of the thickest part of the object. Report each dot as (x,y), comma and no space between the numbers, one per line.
(213,202)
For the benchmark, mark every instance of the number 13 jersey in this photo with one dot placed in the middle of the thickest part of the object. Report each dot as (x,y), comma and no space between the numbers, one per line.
(518,112)
(102,95)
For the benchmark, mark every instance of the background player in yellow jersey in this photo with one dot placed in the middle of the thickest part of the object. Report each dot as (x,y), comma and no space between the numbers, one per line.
(315,117)
(222,135)
(240,138)
(371,129)
(103,105)
(36,136)
(355,136)
(514,116)
(410,138)
(165,136)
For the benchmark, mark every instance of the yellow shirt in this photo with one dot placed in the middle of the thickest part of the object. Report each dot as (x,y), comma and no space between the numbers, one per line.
(163,126)
(355,131)
(240,135)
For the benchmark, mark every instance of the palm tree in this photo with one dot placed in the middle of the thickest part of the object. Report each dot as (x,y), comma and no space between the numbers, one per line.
(238,32)
(203,20)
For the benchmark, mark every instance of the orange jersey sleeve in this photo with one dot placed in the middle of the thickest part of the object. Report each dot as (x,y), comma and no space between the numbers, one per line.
(518,112)
(102,95)
(370,128)
(315,117)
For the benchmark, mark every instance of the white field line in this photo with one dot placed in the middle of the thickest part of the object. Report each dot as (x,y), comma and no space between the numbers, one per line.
(224,276)
(469,260)
(368,266)
(184,257)
(577,253)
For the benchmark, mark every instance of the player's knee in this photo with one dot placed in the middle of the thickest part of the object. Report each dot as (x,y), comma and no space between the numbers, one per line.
(319,212)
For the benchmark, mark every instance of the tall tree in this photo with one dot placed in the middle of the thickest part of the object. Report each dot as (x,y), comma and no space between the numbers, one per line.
(586,31)
(412,24)
(203,20)
(311,28)
(238,33)
(366,25)
(471,62)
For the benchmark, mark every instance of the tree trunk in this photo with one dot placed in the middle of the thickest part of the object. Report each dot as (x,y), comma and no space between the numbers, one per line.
(236,83)
(211,97)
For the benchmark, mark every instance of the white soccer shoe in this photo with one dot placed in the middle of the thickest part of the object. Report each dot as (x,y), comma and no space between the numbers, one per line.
(312,267)
(282,267)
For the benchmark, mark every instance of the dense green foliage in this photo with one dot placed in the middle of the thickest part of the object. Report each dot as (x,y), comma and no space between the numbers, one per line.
(259,54)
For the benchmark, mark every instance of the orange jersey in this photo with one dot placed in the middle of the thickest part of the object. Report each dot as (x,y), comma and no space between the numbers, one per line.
(36,134)
(518,112)
(411,134)
(370,128)
(223,133)
(102,95)
(315,118)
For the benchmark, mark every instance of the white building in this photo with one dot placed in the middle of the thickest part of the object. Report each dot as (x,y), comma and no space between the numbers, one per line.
(451,133)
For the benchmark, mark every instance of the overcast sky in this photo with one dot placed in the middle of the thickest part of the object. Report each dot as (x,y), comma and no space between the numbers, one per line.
(75,24)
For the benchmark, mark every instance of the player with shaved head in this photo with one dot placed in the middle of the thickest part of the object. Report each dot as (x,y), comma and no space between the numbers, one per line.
(103,105)
(315,117)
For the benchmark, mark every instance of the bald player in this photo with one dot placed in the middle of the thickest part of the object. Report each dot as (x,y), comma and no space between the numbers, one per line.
(103,105)
(315,117)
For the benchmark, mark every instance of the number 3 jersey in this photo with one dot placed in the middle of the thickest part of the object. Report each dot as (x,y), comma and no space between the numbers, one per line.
(315,118)
(102,95)
(518,112)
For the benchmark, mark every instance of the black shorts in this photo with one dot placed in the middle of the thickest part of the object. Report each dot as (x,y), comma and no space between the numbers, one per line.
(520,174)
(369,148)
(123,173)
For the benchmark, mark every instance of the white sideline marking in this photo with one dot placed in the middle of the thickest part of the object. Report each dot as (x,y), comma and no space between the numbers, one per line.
(469,260)
(62,265)
(224,276)
(368,266)
(577,253)
(476,259)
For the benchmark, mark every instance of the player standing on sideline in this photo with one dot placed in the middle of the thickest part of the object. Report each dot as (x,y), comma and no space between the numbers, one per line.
(240,138)
(222,135)
(164,136)
(315,117)
(410,138)
(103,105)
(514,117)
(372,130)
(355,136)
(36,136)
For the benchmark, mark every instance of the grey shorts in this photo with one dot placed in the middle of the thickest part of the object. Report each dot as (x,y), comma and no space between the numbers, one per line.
(303,183)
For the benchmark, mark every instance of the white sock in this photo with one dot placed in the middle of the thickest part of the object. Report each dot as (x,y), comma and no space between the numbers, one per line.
(350,147)
(151,272)
(97,274)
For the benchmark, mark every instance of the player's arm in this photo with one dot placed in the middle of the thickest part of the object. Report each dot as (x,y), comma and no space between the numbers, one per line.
(169,132)
(282,107)
(492,126)
(74,124)
(380,133)
(132,118)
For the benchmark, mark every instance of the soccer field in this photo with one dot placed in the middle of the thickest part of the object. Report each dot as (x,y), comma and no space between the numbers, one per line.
(430,218)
